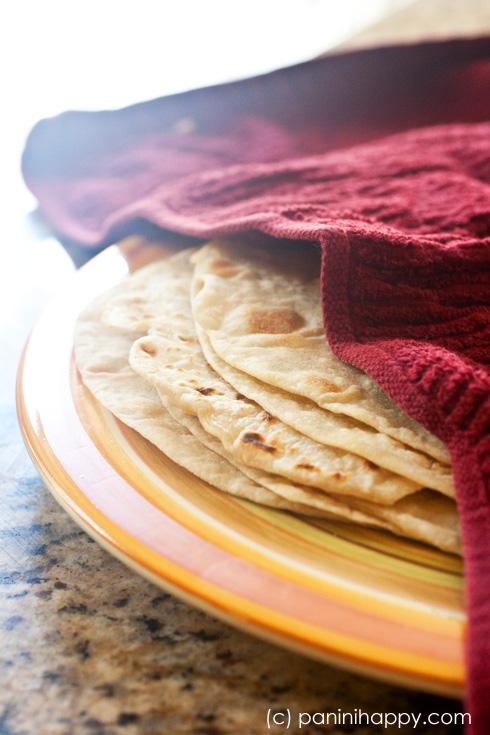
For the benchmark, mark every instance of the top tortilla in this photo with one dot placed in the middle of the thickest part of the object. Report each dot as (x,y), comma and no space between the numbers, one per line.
(261,313)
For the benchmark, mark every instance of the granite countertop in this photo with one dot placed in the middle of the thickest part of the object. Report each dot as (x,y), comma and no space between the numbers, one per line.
(90,648)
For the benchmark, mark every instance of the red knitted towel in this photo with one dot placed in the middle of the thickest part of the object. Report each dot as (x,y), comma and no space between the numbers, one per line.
(404,223)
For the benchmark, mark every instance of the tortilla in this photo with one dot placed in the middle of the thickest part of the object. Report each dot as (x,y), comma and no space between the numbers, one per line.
(102,349)
(178,369)
(101,355)
(261,311)
(424,516)
(157,300)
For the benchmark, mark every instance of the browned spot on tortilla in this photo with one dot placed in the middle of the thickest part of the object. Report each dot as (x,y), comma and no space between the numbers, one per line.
(222,268)
(239,396)
(275,320)
(371,465)
(306,466)
(326,386)
(151,351)
(337,476)
(258,441)
(205,391)
(266,416)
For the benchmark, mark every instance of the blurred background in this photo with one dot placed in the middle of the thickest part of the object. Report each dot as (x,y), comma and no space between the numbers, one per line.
(57,55)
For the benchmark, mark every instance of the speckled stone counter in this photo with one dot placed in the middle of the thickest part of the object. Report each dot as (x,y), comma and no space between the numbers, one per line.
(90,648)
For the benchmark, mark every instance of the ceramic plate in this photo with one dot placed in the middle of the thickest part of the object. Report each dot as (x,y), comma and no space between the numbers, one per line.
(362,599)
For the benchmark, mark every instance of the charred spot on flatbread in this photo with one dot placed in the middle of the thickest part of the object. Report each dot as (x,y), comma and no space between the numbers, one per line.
(274,320)
(252,437)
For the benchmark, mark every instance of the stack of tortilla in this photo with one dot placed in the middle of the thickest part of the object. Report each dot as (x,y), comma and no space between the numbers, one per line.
(217,355)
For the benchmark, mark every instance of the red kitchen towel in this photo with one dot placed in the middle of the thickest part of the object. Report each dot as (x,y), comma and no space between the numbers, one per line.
(404,223)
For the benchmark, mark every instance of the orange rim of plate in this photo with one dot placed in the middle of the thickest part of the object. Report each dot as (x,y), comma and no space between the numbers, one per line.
(370,602)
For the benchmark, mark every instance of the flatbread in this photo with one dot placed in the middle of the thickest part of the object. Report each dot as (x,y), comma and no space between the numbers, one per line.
(261,311)
(171,358)
(101,355)
(178,369)
(424,516)
(157,300)
(102,350)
